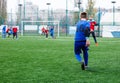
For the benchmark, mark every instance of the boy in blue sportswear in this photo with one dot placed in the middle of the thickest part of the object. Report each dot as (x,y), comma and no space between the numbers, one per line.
(4,31)
(52,32)
(82,40)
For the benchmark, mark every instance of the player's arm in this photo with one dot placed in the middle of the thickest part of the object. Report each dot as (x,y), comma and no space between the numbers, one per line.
(87,34)
(96,24)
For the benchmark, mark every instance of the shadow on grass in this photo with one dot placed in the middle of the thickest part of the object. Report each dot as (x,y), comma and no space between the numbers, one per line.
(95,70)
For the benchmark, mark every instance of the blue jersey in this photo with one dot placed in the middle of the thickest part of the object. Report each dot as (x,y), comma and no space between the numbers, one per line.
(51,30)
(4,29)
(82,30)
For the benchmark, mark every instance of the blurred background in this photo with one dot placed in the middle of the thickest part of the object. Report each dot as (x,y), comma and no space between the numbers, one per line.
(62,14)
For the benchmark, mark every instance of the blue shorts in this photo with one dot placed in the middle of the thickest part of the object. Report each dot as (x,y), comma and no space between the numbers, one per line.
(79,46)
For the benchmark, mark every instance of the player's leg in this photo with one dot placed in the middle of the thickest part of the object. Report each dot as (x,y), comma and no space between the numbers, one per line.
(8,35)
(85,55)
(4,35)
(77,51)
(16,35)
(46,35)
(13,35)
(52,35)
(94,37)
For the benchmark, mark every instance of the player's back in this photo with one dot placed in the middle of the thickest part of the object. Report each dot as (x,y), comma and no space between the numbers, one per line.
(80,28)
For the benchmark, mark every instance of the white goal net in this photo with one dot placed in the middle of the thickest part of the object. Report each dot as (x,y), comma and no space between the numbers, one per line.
(31,28)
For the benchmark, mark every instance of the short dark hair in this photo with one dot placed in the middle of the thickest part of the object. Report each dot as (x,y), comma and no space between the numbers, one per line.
(83,15)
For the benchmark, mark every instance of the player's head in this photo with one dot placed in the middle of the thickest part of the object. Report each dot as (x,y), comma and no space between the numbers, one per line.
(91,17)
(83,15)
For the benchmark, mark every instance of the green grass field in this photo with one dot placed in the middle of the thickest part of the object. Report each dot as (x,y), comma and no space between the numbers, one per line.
(40,60)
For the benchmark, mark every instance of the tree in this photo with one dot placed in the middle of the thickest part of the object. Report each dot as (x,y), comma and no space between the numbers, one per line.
(3,11)
(90,8)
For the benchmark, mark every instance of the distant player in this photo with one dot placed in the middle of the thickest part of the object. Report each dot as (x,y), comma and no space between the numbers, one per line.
(52,32)
(46,32)
(9,31)
(82,40)
(4,31)
(43,31)
(15,32)
(92,26)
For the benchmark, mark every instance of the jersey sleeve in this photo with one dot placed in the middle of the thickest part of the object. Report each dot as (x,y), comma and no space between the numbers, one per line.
(87,30)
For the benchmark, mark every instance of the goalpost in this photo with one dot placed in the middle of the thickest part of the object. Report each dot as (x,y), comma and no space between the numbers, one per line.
(34,27)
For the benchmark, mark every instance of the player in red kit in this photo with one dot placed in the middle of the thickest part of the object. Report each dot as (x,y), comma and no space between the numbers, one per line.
(46,32)
(92,26)
(15,32)
(9,31)
(43,31)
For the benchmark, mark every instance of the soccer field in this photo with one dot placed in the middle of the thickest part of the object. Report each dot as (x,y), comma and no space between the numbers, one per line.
(39,60)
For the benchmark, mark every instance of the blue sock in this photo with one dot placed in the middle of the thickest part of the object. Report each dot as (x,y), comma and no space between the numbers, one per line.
(78,57)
